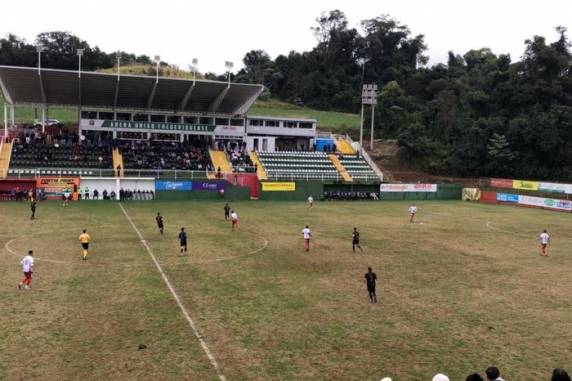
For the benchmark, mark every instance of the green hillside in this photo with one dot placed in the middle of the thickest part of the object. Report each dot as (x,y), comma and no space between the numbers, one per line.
(335,121)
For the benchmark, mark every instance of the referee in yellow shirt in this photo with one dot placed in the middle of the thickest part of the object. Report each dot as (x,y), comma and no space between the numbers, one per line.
(84,238)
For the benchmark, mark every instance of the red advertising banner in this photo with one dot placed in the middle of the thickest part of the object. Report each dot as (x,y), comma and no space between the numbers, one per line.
(53,187)
(501,183)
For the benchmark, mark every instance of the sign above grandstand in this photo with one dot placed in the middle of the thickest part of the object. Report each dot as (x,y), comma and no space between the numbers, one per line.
(408,187)
(176,127)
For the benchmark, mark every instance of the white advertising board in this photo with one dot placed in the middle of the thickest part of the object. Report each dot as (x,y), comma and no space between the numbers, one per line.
(408,188)
(542,202)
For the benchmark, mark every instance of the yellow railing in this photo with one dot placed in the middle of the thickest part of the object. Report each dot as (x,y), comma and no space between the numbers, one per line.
(260,172)
(5,153)
(345,147)
(339,166)
(118,162)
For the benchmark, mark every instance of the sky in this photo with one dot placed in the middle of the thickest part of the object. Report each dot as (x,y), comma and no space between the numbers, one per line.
(216,31)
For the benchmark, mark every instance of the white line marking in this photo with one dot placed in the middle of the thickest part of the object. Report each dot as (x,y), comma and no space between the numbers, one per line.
(184,311)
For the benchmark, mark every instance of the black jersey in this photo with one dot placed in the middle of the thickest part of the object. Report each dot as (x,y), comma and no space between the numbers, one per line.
(355,236)
(159,220)
(183,237)
(370,279)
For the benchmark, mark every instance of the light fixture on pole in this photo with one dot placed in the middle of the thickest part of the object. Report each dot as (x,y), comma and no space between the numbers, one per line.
(368,97)
(194,69)
(79,55)
(158,61)
(361,62)
(229,66)
(39,49)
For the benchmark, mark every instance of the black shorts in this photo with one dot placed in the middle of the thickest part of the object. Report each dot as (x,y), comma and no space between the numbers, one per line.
(183,243)
(160,226)
(85,245)
(355,242)
(370,288)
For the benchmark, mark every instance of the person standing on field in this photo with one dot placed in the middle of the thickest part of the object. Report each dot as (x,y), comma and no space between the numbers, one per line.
(307,234)
(33,209)
(310,201)
(183,241)
(159,220)
(234,219)
(412,212)
(370,281)
(27,268)
(226,212)
(84,238)
(355,240)
(544,239)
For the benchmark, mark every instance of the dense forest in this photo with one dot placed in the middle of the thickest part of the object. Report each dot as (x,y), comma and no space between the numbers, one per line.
(480,114)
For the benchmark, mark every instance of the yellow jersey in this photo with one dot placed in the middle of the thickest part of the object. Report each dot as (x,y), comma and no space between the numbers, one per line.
(84,238)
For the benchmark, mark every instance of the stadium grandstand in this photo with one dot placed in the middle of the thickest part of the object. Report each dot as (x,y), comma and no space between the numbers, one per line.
(137,126)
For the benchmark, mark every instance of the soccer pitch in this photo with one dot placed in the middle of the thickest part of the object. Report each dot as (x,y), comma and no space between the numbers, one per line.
(462,289)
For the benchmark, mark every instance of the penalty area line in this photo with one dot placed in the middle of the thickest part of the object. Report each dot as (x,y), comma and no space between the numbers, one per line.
(184,311)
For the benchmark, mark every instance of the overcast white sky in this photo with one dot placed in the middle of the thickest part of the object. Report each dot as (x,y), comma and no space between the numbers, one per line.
(216,31)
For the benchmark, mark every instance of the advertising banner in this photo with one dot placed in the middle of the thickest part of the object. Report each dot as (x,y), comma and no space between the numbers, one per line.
(552,187)
(408,188)
(53,187)
(212,185)
(541,202)
(165,185)
(162,127)
(278,187)
(501,183)
(526,185)
(505,197)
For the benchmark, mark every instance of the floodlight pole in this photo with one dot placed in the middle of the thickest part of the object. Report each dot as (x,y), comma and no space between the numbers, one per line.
(195,63)
(79,55)
(361,127)
(5,121)
(229,65)
(372,117)
(118,65)
(158,60)
(39,49)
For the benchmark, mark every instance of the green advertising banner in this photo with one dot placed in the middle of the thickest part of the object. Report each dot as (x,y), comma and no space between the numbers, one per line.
(158,126)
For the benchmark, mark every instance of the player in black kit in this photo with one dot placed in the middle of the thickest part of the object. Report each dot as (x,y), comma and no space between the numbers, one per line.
(183,241)
(355,240)
(159,220)
(370,280)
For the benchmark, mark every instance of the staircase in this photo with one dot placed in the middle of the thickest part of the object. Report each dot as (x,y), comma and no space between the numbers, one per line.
(118,161)
(345,147)
(5,153)
(262,175)
(343,172)
(220,160)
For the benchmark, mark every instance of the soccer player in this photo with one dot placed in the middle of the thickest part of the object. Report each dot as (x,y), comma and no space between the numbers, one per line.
(183,241)
(370,280)
(33,209)
(226,212)
(544,239)
(27,267)
(67,194)
(234,219)
(307,234)
(310,201)
(355,240)
(84,238)
(412,212)
(159,220)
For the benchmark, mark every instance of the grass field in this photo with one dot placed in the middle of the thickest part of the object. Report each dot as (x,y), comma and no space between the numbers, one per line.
(458,292)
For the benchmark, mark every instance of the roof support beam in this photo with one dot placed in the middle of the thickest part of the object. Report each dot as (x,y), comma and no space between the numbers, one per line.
(42,91)
(185,100)
(152,96)
(218,100)
(243,109)
(5,92)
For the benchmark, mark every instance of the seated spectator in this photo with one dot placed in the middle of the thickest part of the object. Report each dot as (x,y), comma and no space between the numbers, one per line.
(559,374)
(474,377)
(95,194)
(493,374)
(112,195)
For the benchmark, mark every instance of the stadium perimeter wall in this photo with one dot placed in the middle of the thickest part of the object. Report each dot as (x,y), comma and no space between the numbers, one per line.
(290,190)
(232,193)
(444,192)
